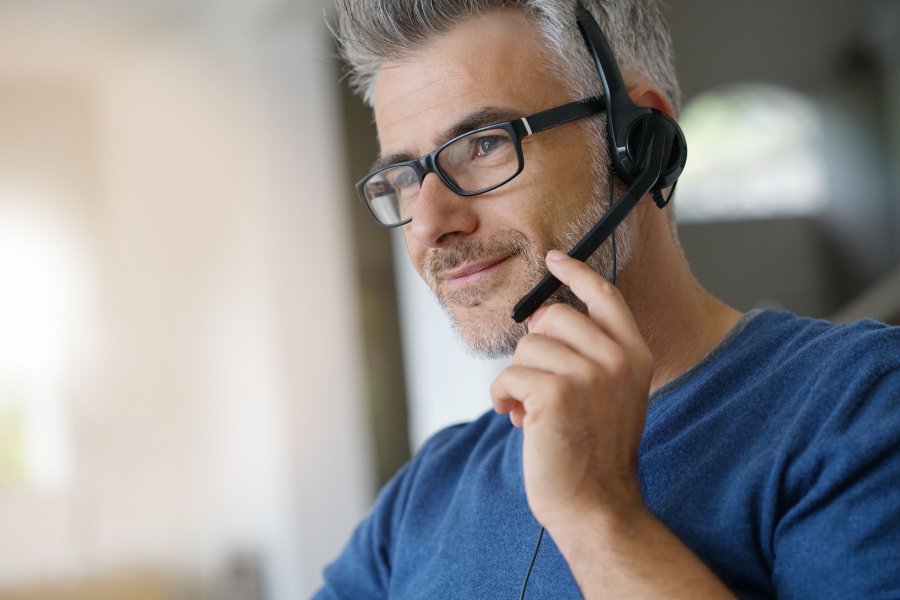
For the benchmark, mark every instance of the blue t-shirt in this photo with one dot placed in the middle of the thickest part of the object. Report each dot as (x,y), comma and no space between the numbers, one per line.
(776,459)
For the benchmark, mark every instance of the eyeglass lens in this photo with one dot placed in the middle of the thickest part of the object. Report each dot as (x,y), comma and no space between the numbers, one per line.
(473,163)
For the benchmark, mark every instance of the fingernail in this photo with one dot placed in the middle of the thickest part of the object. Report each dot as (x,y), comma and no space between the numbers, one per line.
(555,256)
(535,317)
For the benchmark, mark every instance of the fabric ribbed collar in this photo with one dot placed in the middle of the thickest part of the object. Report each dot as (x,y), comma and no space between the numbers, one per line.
(710,356)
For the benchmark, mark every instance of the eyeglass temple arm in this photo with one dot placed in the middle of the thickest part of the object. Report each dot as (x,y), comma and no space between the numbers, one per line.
(563,114)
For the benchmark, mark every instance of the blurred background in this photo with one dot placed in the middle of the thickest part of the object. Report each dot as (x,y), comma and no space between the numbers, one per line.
(210,358)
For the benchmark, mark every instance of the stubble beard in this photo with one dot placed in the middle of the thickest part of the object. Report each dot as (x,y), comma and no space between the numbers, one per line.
(490,333)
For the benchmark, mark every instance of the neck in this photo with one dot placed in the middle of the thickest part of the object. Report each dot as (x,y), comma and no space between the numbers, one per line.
(680,321)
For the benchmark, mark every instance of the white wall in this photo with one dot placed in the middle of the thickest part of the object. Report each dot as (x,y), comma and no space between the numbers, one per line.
(445,385)
(189,155)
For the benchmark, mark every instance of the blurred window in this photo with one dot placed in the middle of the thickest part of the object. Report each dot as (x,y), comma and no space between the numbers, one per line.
(41,301)
(753,152)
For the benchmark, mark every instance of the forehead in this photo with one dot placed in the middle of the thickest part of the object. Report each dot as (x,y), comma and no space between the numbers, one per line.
(494,60)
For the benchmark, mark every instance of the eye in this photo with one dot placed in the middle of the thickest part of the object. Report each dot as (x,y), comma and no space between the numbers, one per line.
(405,179)
(486,144)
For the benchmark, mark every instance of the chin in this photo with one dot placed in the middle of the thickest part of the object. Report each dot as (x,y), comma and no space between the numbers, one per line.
(487,333)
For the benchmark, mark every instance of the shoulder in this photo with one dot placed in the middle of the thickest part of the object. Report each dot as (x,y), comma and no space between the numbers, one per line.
(839,457)
(779,361)
(410,505)
(446,455)
(453,448)
(796,333)
(449,451)
(857,353)
(488,425)
(448,464)
(780,381)
(833,390)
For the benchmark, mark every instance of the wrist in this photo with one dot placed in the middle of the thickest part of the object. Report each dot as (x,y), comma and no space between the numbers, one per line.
(600,525)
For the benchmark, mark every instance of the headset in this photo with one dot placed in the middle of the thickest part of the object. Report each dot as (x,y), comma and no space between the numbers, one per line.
(647,150)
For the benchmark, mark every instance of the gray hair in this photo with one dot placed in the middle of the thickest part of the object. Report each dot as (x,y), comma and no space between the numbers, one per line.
(373,32)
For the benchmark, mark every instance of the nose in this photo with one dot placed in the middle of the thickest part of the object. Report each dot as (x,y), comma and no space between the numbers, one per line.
(441,216)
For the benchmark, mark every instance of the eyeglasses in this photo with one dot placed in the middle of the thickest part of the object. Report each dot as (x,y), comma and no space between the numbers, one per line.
(470,164)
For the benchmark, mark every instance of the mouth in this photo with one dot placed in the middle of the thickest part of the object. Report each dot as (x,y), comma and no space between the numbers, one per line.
(472,273)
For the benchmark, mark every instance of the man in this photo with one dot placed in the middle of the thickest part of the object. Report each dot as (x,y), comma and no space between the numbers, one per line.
(668,445)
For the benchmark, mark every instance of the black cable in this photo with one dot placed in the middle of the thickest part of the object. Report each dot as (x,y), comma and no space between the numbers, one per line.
(531,564)
(663,202)
(615,267)
(537,545)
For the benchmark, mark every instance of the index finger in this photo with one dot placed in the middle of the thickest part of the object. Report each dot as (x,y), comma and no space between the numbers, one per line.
(604,302)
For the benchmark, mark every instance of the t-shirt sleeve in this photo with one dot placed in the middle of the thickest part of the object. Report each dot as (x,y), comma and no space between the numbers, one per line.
(363,569)
(839,536)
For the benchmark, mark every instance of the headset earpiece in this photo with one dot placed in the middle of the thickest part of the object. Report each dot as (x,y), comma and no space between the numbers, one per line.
(629,126)
(636,138)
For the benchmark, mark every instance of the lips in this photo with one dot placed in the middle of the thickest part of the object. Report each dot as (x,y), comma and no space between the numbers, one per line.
(470,271)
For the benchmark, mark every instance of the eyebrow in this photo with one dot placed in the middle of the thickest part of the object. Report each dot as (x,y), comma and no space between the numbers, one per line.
(487,115)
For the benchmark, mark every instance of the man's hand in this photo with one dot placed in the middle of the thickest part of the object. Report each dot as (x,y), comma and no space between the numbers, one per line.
(578,386)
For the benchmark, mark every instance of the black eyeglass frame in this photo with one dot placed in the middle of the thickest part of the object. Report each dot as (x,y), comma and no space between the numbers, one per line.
(518,129)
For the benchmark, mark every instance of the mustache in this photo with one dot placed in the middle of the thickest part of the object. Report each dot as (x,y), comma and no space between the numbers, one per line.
(505,243)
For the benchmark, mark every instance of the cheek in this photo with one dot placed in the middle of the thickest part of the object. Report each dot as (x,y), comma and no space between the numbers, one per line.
(550,204)
(559,177)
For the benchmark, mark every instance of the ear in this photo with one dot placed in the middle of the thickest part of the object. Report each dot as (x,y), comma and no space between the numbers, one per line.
(650,97)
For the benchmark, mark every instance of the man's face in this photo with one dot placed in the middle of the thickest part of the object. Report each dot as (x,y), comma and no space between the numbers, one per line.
(481,254)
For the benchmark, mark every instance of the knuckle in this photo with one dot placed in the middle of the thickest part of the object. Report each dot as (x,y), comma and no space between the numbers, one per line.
(527,344)
(559,389)
(584,370)
(595,380)
(608,288)
(642,360)
(601,287)
(500,387)
(618,364)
